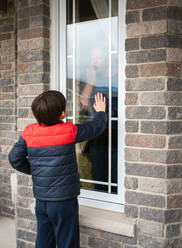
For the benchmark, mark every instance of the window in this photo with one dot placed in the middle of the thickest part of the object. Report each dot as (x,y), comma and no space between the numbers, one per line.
(87,57)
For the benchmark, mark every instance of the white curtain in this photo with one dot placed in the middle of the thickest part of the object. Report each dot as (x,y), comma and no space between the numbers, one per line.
(101,8)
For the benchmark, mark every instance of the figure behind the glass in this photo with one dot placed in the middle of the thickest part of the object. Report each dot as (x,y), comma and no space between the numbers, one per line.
(97,149)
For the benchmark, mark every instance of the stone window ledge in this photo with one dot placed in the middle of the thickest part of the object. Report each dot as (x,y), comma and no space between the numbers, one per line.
(107,221)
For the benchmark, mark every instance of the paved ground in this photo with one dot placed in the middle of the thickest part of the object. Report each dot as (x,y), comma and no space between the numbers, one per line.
(7,233)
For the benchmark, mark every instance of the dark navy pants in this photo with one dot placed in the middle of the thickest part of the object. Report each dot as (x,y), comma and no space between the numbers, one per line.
(57,224)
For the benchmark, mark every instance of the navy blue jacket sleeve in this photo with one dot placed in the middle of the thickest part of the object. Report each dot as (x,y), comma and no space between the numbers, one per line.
(18,157)
(91,129)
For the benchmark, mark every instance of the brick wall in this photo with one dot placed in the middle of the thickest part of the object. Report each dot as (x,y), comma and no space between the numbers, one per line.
(33,78)
(7,104)
(153,121)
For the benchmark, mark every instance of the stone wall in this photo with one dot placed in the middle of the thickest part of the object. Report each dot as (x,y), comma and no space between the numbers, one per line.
(153,140)
(7,105)
(33,78)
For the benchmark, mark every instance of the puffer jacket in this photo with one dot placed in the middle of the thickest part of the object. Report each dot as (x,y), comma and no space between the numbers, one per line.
(48,154)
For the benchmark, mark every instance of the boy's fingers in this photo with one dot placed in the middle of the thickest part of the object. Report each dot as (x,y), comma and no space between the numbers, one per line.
(100,96)
(95,98)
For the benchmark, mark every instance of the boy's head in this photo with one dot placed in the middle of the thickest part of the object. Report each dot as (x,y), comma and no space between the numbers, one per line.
(49,107)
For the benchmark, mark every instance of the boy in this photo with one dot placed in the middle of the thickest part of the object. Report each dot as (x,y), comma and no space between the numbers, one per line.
(46,150)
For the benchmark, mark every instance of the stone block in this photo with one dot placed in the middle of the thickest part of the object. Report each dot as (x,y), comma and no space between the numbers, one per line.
(145,199)
(25,101)
(132,16)
(151,141)
(174,171)
(153,70)
(146,56)
(5,127)
(150,242)
(132,44)
(151,228)
(5,36)
(23,112)
(131,99)
(83,239)
(7,119)
(24,244)
(158,215)
(31,56)
(174,84)
(154,185)
(40,1)
(22,123)
(25,213)
(174,201)
(40,66)
(161,127)
(146,28)
(39,43)
(33,11)
(175,113)
(146,170)
(173,243)
(142,112)
(23,68)
(33,226)
(23,3)
(131,126)
(34,78)
(161,156)
(23,24)
(175,141)
(25,192)
(132,154)
(172,230)
(117,237)
(5,81)
(137,4)
(22,223)
(174,54)
(145,84)
(174,12)
(175,27)
(5,67)
(154,14)
(97,242)
(131,211)
(26,235)
(175,3)
(161,98)
(131,182)
(174,156)
(22,179)
(131,71)
(40,21)
(22,202)
(36,32)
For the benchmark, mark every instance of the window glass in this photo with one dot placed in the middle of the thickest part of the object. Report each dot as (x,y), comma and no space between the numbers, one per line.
(92,67)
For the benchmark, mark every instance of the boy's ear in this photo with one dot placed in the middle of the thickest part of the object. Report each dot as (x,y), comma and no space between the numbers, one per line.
(63,115)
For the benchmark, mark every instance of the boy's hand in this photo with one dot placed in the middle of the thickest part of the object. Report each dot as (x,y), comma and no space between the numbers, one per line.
(100,102)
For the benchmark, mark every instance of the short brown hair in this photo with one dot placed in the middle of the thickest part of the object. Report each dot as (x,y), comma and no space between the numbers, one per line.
(48,106)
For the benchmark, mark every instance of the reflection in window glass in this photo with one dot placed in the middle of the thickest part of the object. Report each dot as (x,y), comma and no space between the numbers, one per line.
(92,54)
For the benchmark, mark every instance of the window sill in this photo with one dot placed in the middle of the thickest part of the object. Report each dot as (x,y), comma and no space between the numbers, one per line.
(107,221)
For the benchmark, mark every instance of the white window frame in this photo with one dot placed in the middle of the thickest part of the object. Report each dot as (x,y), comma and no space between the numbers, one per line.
(91,198)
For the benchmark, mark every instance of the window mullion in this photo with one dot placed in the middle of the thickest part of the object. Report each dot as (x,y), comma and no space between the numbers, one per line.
(74,61)
(110,100)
